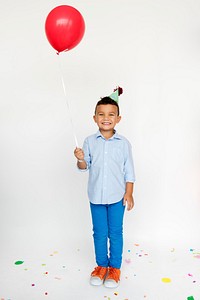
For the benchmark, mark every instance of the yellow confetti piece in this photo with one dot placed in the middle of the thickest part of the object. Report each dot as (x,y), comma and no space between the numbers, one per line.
(166,280)
(115,293)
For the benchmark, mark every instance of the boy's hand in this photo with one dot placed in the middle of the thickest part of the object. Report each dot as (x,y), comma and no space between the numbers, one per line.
(79,154)
(129,200)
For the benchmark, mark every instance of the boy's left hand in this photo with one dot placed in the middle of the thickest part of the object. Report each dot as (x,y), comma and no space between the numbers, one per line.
(129,200)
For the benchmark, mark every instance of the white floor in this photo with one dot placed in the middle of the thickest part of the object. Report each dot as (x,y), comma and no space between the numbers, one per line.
(62,272)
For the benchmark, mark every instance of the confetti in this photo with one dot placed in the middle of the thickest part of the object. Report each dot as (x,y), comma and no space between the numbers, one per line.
(115,293)
(136,245)
(46,293)
(190,275)
(19,262)
(129,250)
(128,261)
(166,280)
(197,256)
(190,298)
(32,284)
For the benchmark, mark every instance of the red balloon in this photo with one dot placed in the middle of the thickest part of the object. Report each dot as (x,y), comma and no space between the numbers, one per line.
(64,27)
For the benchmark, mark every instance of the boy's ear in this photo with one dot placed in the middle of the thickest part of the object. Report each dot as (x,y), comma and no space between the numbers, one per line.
(94,117)
(118,119)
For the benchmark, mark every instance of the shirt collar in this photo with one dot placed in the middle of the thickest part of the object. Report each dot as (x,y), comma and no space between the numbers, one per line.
(115,135)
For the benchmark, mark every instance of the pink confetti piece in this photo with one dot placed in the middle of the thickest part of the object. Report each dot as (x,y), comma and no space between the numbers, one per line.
(190,275)
(128,261)
(197,256)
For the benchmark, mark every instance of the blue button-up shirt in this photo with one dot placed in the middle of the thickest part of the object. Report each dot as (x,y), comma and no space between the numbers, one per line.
(110,166)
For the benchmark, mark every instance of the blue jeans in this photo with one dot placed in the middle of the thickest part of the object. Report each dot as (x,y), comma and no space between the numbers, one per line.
(108,225)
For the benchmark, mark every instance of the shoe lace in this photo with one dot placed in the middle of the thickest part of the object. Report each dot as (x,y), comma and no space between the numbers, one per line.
(99,271)
(113,274)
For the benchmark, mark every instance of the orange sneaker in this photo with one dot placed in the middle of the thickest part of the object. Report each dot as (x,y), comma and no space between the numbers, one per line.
(98,275)
(113,278)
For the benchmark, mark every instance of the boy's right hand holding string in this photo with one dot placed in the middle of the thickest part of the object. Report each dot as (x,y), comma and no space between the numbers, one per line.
(79,154)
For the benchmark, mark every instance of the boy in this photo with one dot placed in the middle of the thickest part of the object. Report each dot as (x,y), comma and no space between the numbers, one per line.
(108,158)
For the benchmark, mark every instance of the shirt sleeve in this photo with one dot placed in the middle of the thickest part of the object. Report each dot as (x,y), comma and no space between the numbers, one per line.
(129,164)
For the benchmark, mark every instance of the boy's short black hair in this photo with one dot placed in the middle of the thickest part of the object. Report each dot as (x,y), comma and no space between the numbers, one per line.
(107,100)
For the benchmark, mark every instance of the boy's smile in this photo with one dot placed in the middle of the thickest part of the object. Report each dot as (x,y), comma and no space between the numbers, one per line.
(106,118)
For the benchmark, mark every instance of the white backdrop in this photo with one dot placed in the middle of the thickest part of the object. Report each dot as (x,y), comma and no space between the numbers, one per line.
(152,50)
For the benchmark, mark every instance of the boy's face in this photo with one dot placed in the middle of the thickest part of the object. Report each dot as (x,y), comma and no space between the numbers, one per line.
(106,117)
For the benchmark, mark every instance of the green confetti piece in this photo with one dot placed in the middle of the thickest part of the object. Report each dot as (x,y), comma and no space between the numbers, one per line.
(19,262)
(190,298)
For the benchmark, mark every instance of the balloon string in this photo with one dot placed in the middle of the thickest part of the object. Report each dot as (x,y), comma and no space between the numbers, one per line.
(68,106)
